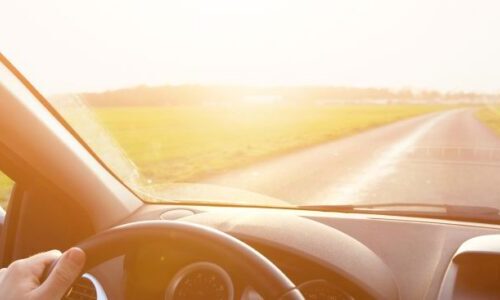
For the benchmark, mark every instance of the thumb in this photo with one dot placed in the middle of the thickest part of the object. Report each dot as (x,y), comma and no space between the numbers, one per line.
(66,271)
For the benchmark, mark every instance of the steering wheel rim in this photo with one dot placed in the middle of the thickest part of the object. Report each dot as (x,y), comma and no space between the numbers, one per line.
(266,278)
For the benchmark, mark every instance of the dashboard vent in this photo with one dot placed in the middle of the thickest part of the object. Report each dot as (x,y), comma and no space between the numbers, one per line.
(83,289)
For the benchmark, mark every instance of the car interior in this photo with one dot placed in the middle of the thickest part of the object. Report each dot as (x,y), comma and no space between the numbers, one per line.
(139,250)
(249,150)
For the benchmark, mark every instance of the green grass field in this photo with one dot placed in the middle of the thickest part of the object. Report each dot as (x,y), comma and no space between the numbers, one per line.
(5,188)
(182,144)
(490,116)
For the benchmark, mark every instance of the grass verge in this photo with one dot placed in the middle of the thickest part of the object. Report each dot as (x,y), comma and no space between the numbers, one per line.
(490,116)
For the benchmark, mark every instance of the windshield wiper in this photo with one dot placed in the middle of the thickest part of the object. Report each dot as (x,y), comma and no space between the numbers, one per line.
(446,211)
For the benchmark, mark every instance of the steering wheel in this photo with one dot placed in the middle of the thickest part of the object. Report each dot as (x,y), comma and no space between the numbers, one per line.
(262,274)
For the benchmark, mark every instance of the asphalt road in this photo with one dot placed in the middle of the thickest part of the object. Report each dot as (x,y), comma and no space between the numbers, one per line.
(446,157)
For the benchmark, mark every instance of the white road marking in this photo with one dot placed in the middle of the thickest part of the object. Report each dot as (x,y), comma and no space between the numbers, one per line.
(376,170)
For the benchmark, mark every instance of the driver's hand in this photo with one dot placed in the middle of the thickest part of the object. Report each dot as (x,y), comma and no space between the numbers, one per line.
(21,280)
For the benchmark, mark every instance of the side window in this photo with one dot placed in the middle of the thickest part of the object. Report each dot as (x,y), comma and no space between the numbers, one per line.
(6,185)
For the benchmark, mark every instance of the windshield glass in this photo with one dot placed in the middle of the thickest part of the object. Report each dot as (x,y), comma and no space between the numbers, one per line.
(276,103)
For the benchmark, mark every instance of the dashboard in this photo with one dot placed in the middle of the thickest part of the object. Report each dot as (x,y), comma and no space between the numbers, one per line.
(162,272)
(327,255)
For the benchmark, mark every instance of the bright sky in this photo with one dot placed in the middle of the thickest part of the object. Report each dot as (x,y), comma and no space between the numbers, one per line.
(95,45)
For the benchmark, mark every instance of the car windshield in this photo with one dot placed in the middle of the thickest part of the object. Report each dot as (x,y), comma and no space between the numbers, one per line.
(316,104)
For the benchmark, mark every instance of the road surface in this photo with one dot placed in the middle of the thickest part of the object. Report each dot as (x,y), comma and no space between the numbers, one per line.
(445,157)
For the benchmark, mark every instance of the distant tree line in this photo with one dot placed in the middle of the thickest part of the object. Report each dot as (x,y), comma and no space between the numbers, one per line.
(214,95)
